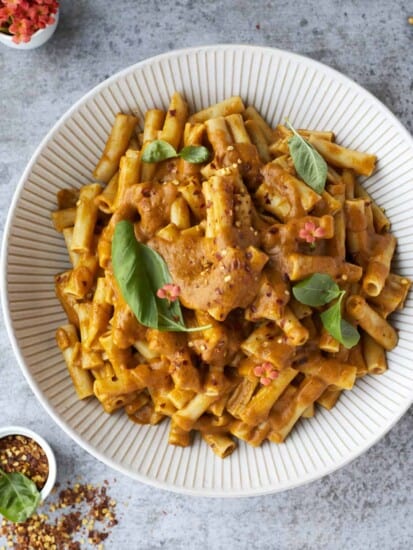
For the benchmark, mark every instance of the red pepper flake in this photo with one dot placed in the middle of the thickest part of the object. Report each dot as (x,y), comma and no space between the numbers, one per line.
(19,453)
(80,512)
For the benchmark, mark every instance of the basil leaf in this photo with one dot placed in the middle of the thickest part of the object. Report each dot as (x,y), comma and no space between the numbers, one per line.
(159,275)
(316,290)
(349,335)
(140,272)
(339,328)
(194,153)
(158,150)
(131,275)
(19,496)
(309,164)
(170,325)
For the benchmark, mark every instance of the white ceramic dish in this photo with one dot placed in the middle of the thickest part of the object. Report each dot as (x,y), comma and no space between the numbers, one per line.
(51,459)
(39,38)
(279,84)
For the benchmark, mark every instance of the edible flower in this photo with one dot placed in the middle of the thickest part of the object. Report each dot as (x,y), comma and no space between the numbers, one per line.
(310,232)
(266,373)
(169,291)
(22,18)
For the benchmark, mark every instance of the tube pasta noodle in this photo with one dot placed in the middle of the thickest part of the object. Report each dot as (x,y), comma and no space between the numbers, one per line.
(230,230)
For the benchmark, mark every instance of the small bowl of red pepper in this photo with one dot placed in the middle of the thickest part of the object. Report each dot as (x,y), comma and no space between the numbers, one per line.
(27,472)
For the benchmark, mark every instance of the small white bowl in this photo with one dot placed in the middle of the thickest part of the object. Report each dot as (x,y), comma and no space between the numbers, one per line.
(19,430)
(38,39)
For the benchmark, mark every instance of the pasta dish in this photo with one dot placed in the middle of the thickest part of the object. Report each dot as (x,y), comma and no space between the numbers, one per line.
(226,276)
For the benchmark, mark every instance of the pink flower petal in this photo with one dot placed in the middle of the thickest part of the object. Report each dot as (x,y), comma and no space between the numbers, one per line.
(265,381)
(306,235)
(169,291)
(309,226)
(273,374)
(259,370)
(176,291)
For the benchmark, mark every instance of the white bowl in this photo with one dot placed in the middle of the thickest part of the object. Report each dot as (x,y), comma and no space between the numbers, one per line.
(51,459)
(39,38)
(279,84)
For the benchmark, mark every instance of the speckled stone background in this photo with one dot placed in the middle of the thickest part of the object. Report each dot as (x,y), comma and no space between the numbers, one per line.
(366,505)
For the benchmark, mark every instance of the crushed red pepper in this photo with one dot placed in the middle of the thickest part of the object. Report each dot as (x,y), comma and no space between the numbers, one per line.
(78,516)
(19,453)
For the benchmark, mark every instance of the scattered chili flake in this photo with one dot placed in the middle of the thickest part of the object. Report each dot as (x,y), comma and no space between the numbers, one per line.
(19,453)
(78,513)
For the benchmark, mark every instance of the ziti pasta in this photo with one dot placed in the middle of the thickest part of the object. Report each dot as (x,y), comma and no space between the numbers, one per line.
(228,276)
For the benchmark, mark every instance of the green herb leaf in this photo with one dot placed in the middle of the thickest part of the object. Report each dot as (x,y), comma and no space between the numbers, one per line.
(320,289)
(19,496)
(169,325)
(194,153)
(158,150)
(309,164)
(140,272)
(316,290)
(168,313)
(132,276)
(339,328)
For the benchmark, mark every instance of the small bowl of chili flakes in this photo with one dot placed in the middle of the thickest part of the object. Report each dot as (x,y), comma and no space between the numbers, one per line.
(23,450)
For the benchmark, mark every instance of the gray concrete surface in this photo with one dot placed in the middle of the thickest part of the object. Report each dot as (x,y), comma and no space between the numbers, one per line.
(367,504)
